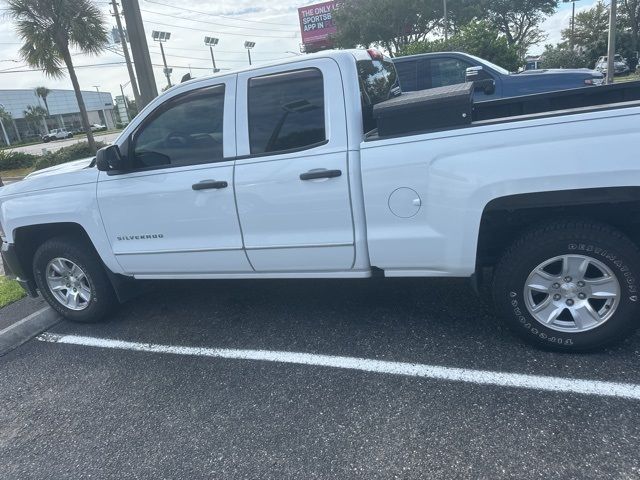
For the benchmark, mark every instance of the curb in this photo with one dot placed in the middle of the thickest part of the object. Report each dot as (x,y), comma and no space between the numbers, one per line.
(24,330)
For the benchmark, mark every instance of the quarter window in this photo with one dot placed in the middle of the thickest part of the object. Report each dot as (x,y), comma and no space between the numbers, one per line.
(286,111)
(187,131)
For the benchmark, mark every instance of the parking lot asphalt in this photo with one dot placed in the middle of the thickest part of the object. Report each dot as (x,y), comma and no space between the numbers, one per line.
(73,411)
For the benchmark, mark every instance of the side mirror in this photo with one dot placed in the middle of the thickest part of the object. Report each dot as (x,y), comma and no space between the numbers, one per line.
(109,158)
(481,80)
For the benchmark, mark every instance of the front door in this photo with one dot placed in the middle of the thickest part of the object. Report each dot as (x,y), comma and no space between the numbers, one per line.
(173,213)
(292,176)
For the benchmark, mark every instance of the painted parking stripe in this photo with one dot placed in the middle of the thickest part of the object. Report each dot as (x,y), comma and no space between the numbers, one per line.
(479,377)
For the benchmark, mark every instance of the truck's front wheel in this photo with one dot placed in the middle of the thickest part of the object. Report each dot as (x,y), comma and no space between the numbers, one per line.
(570,286)
(72,280)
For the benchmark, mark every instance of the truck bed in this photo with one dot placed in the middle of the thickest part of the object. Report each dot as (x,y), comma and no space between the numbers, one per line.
(550,104)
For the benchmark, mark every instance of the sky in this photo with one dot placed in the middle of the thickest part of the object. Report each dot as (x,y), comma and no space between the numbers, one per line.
(272,25)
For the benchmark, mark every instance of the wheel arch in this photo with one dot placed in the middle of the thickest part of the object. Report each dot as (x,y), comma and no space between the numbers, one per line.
(504,219)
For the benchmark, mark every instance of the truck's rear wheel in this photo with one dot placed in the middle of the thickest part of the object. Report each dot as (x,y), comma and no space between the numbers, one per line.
(570,286)
(72,280)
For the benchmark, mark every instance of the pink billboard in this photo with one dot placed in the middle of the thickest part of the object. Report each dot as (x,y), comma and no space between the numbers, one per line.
(316,22)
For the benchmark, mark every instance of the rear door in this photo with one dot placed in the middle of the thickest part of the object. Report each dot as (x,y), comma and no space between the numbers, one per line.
(292,174)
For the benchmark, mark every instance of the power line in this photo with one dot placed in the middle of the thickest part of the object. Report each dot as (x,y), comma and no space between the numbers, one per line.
(221,59)
(220,51)
(225,33)
(214,23)
(214,15)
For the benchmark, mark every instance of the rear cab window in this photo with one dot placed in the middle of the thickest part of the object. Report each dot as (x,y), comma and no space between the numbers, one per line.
(378,81)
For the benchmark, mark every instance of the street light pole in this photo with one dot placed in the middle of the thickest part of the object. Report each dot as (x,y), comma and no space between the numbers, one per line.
(446,22)
(611,53)
(162,37)
(212,42)
(249,46)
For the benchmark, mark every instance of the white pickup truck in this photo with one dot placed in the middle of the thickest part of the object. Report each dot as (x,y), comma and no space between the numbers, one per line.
(56,134)
(278,171)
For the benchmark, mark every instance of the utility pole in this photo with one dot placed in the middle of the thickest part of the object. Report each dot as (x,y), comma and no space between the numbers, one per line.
(140,52)
(446,22)
(573,22)
(125,51)
(611,53)
(167,73)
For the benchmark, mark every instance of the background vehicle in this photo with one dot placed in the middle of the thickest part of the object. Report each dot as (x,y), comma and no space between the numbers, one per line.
(56,134)
(619,64)
(96,127)
(430,70)
(317,167)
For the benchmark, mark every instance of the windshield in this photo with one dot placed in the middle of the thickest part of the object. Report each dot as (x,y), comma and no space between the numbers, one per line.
(495,67)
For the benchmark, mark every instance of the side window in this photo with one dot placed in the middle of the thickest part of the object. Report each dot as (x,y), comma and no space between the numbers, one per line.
(408,73)
(447,71)
(286,111)
(187,131)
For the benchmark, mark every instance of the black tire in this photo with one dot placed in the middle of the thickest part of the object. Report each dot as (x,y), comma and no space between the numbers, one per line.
(102,296)
(589,239)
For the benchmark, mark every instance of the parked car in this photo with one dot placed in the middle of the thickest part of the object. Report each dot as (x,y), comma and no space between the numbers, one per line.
(430,70)
(56,134)
(96,127)
(620,65)
(312,168)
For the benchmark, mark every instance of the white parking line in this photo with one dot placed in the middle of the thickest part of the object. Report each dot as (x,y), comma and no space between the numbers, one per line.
(479,377)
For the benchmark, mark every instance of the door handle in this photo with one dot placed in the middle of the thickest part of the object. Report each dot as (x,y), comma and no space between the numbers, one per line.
(209,184)
(314,174)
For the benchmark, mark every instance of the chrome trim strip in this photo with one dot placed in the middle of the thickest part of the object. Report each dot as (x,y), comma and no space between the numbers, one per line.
(310,245)
(194,250)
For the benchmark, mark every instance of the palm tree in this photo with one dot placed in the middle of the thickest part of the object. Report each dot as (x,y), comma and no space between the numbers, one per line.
(34,115)
(43,92)
(49,28)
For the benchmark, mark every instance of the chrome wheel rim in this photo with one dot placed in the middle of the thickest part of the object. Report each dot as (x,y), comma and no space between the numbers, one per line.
(572,293)
(68,284)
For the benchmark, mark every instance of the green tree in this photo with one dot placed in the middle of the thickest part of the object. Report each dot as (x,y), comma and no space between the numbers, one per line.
(49,29)
(477,38)
(43,93)
(390,24)
(591,35)
(561,56)
(520,20)
(34,115)
(630,18)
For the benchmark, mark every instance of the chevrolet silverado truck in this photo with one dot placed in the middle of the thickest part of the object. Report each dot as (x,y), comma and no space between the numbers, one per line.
(308,168)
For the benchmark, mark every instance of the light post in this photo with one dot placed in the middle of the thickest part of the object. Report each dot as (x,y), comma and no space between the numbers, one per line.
(104,112)
(162,37)
(611,52)
(446,22)
(249,46)
(573,21)
(212,42)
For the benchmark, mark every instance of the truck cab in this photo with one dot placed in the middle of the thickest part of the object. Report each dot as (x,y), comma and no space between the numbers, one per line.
(432,70)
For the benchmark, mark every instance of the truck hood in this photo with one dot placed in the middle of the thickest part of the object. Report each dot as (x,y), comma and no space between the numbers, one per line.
(71,173)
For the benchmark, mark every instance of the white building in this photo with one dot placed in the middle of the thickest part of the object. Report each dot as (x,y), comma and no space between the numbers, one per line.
(62,107)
